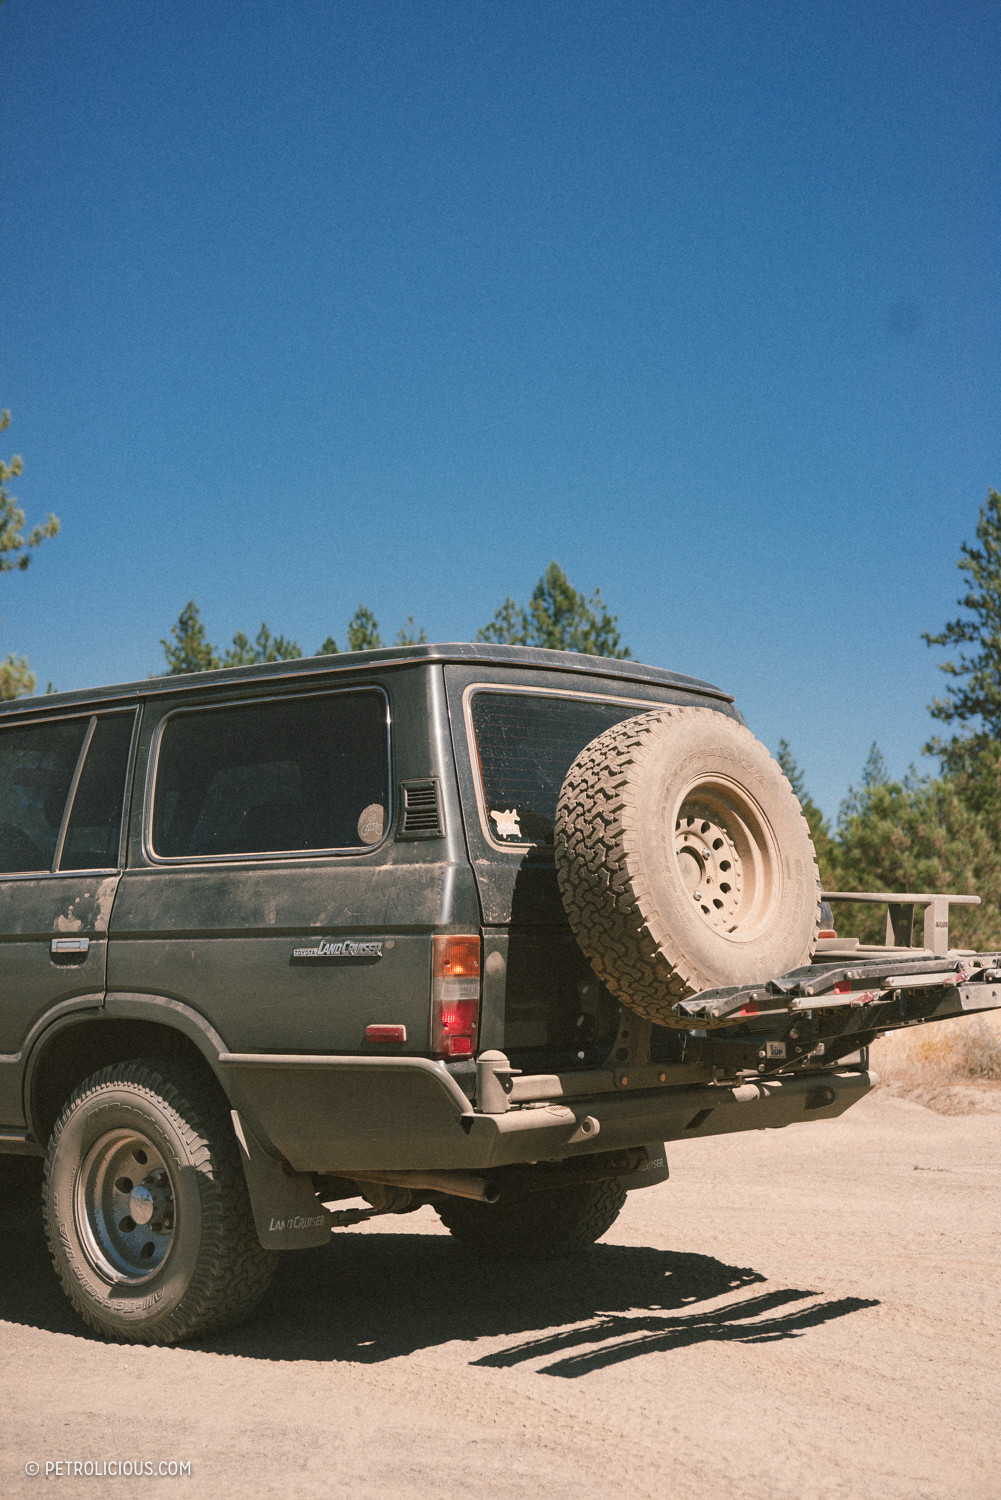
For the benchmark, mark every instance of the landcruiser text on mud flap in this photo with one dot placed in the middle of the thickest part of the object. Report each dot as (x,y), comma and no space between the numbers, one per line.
(473,926)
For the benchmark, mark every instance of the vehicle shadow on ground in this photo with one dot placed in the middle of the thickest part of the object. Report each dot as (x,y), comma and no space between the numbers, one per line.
(367,1298)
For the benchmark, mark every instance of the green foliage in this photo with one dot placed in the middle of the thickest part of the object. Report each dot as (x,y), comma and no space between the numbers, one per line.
(266,647)
(189,649)
(977,675)
(363,631)
(973,763)
(971,759)
(819,828)
(17,680)
(15,547)
(410,635)
(557,617)
(919,834)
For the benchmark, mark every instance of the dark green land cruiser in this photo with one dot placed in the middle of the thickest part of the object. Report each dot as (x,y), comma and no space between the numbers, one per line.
(473,926)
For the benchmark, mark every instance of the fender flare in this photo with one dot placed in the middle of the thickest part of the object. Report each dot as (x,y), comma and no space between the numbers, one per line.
(286,1212)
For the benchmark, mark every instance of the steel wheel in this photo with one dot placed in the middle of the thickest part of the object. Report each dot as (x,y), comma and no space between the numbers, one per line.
(147,1213)
(728,858)
(124,1207)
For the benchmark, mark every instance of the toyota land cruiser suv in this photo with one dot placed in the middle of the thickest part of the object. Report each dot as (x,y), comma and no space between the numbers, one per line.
(473,926)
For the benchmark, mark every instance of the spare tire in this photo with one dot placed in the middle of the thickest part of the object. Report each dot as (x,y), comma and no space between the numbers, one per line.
(684,859)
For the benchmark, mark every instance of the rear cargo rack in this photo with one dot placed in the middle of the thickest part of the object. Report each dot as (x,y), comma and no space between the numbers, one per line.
(820,1016)
(900,916)
(827,986)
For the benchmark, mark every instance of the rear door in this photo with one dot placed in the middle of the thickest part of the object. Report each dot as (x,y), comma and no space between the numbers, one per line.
(62,790)
(516,735)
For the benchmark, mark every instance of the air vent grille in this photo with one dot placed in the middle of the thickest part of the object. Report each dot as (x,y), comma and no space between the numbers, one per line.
(422,814)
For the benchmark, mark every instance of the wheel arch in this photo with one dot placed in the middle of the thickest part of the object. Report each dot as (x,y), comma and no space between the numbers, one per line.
(74,1046)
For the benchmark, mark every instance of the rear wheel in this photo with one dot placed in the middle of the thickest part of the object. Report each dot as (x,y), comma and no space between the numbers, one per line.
(539,1225)
(146,1207)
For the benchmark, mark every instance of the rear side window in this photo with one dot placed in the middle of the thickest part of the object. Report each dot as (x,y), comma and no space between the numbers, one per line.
(526,744)
(37,762)
(95,821)
(283,776)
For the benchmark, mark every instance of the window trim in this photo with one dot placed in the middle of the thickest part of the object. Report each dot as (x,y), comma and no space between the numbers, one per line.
(135,709)
(519,845)
(71,797)
(93,715)
(254,700)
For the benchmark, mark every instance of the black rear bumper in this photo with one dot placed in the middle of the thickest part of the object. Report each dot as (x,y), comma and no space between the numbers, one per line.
(337,1114)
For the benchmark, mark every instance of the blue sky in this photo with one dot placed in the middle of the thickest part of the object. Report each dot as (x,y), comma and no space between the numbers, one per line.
(303,305)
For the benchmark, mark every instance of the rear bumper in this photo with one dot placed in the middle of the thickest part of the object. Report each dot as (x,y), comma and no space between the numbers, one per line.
(337,1114)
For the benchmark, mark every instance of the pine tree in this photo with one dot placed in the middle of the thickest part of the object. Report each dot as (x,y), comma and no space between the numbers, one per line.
(189,649)
(409,634)
(557,617)
(918,834)
(977,694)
(363,631)
(971,758)
(820,830)
(266,647)
(15,548)
(17,680)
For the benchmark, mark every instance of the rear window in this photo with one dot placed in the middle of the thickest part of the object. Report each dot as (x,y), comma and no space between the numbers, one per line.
(278,777)
(526,744)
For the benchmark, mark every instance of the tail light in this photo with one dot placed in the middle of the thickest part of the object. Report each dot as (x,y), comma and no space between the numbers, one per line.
(455,996)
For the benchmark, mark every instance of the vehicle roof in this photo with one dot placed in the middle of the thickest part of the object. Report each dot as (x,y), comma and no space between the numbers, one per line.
(515,657)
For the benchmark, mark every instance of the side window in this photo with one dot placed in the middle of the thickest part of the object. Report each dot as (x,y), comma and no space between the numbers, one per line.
(278,777)
(95,822)
(37,762)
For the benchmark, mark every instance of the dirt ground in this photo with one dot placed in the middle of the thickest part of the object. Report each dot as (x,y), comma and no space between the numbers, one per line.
(812,1313)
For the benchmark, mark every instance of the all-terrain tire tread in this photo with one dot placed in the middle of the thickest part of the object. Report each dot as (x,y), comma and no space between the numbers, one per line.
(600,867)
(233,1269)
(539,1225)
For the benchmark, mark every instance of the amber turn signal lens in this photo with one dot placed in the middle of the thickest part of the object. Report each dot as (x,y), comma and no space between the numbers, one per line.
(456,957)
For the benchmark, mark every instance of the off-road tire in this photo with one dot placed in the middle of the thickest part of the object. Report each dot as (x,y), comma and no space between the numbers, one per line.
(536,1225)
(206,1268)
(660,912)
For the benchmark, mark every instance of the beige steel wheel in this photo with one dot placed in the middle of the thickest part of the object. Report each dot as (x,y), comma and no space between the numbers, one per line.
(684,859)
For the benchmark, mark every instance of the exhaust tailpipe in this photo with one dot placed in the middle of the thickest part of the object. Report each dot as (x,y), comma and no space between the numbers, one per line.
(458,1184)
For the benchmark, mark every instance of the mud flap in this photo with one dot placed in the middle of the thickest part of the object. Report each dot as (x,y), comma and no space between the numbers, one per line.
(655,1170)
(287,1213)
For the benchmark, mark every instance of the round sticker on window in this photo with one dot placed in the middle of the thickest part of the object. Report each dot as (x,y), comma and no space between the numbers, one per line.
(371,823)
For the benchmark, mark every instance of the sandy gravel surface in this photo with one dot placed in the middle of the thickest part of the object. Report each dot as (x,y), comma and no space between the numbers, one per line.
(811,1314)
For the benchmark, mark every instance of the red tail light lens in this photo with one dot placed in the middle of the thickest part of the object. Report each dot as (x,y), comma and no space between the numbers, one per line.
(455,996)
